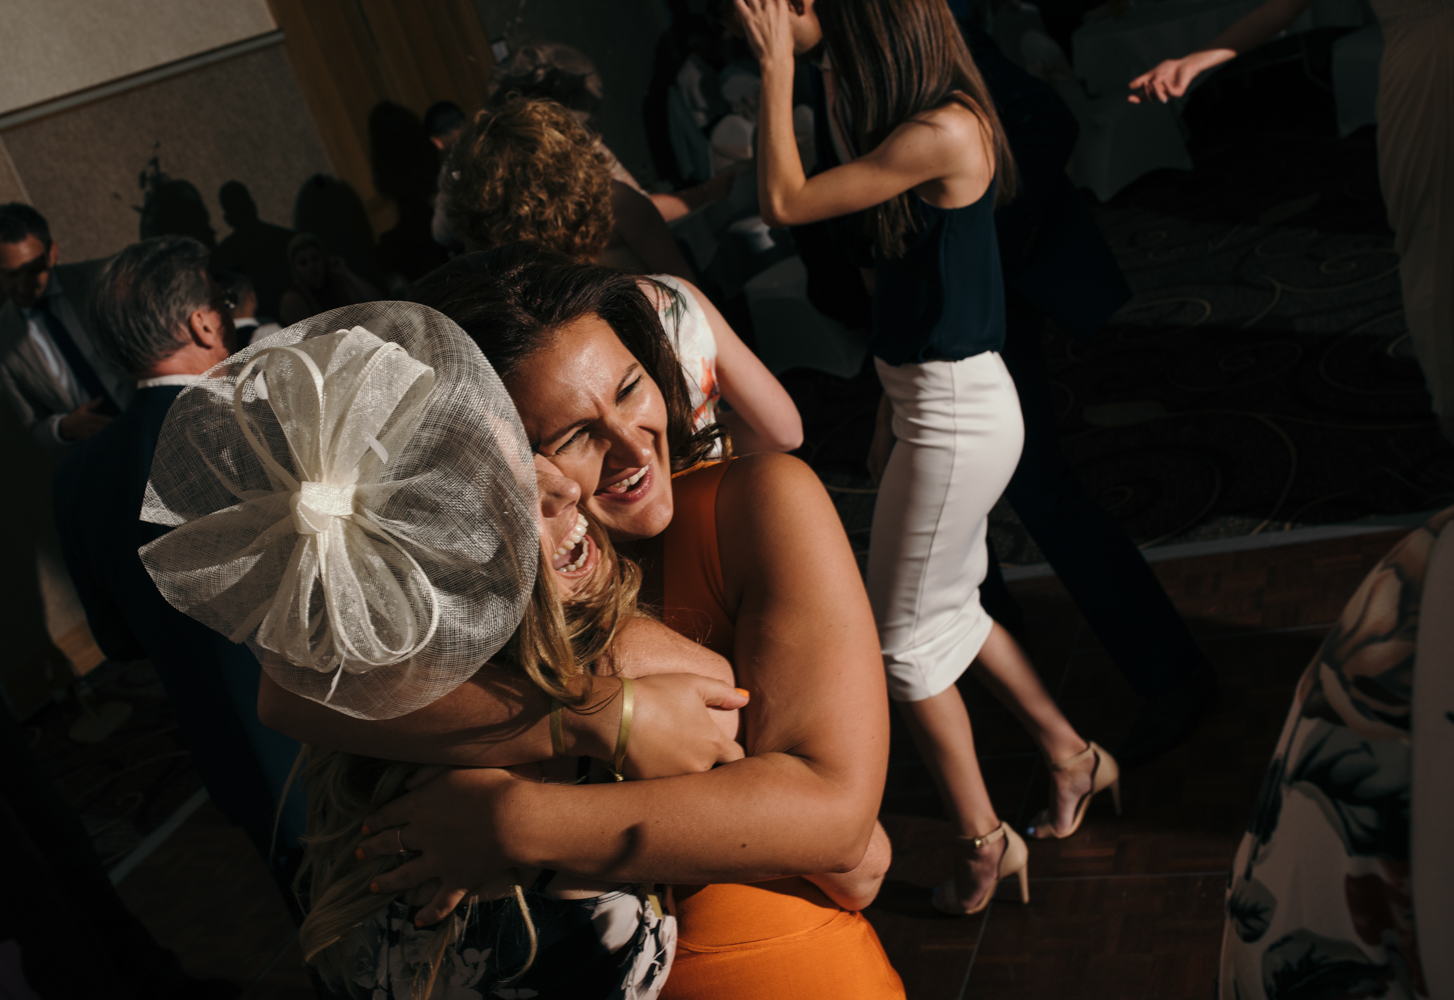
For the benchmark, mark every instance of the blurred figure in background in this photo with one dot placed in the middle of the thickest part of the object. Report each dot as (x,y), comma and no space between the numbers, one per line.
(239,291)
(405,166)
(173,207)
(442,122)
(255,248)
(529,170)
(1415,155)
(160,317)
(567,76)
(332,211)
(320,282)
(59,384)
(638,241)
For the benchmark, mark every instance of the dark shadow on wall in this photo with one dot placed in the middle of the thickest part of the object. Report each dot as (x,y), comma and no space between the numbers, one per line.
(331,209)
(255,248)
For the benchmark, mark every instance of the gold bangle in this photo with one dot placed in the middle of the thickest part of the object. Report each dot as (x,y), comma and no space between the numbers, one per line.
(557,738)
(623,735)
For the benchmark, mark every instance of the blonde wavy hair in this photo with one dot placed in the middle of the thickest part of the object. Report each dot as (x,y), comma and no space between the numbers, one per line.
(555,644)
(527,169)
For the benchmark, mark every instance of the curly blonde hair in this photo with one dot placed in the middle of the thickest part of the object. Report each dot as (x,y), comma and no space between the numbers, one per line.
(527,169)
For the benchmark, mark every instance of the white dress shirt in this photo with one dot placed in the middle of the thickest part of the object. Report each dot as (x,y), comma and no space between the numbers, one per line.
(55,363)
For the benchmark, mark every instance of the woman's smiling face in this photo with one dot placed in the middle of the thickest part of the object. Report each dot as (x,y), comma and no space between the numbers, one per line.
(563,538)
(593,413)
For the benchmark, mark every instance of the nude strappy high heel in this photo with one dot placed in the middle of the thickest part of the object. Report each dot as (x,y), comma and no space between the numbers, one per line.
(1104,774)
(1015,861)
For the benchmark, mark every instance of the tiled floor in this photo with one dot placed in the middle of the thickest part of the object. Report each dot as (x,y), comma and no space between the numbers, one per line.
(1129,907)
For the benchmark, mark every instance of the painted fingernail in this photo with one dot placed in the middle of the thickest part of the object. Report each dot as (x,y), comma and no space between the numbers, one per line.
(358,853)
(373,887)
(744,692)
(366,831)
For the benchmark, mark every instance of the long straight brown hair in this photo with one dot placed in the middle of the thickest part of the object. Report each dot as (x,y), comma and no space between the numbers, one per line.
(894,60)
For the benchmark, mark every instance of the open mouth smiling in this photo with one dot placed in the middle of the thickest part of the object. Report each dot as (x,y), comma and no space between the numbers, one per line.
(628,488)
(575,556)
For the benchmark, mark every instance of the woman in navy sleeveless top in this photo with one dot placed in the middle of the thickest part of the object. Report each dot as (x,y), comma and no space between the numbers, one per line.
(902,90)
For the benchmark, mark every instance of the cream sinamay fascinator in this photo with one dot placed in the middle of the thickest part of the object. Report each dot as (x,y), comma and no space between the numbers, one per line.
(354,497)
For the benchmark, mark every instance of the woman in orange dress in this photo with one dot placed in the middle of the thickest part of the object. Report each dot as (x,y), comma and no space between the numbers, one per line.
(752,562)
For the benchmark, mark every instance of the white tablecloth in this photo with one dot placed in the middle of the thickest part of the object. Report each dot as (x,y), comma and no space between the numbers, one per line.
(1108,53)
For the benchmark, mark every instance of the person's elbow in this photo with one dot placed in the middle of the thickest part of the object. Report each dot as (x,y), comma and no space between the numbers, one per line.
(786,435)
(780,216)
(273,709)
(777,211)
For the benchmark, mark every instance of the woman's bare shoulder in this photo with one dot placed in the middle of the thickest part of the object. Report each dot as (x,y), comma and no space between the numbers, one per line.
(775,486)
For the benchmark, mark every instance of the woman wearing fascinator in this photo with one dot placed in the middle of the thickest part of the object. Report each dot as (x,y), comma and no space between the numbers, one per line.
(360,568)
(769,858)
(382,549)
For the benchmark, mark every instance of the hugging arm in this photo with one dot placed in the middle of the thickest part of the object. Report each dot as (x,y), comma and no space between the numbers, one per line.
(804,802)
(499,717)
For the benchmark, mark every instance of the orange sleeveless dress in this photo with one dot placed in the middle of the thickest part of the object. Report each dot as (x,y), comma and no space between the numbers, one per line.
(767,940)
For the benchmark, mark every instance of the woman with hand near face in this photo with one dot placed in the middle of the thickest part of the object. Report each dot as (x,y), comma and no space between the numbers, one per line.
(925,160)
(320,282)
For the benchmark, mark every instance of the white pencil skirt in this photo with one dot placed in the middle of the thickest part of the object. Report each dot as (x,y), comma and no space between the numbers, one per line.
(959,436)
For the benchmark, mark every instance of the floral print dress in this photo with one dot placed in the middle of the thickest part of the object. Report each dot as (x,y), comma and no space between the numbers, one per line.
(1321,901)
(615,946)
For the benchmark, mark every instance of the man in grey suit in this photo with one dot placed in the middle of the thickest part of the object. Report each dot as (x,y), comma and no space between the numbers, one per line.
(51,373)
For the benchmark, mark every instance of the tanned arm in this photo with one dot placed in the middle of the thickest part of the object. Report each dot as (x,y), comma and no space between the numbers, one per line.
(499,718)
(817,728)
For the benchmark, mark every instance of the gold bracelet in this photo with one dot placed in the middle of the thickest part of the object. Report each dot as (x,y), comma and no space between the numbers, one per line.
(557,738)
(623,735)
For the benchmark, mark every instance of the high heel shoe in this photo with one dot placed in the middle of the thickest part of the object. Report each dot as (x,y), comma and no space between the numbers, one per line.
(1014,861)
(1104,774)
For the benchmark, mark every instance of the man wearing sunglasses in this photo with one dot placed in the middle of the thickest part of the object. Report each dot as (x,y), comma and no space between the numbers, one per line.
(51,373)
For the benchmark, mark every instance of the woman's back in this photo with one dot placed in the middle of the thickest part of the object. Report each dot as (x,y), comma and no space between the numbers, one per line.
(944,299)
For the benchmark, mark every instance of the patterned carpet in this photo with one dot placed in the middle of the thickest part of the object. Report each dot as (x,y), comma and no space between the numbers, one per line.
(1262,377)
(130,783)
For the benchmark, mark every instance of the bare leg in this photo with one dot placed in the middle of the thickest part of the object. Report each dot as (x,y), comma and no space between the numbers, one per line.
(941,730)
(1003,668)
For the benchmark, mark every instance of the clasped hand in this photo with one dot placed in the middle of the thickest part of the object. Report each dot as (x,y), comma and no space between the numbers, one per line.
(454,819)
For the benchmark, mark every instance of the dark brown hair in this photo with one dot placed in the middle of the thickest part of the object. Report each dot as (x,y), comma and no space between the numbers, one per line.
(513,299)
(895,60)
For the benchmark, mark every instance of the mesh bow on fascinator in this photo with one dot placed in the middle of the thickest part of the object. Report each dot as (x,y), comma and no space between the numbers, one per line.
(354,497)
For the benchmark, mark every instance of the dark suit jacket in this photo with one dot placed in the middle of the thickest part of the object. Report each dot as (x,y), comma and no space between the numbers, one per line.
(26,382)
(212,683)
(1052,254)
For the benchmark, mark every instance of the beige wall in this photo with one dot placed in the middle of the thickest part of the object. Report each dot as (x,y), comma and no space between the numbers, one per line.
(240,119)
(49,48)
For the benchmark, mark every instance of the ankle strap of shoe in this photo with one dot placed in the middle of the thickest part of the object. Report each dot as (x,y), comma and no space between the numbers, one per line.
(988,838)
